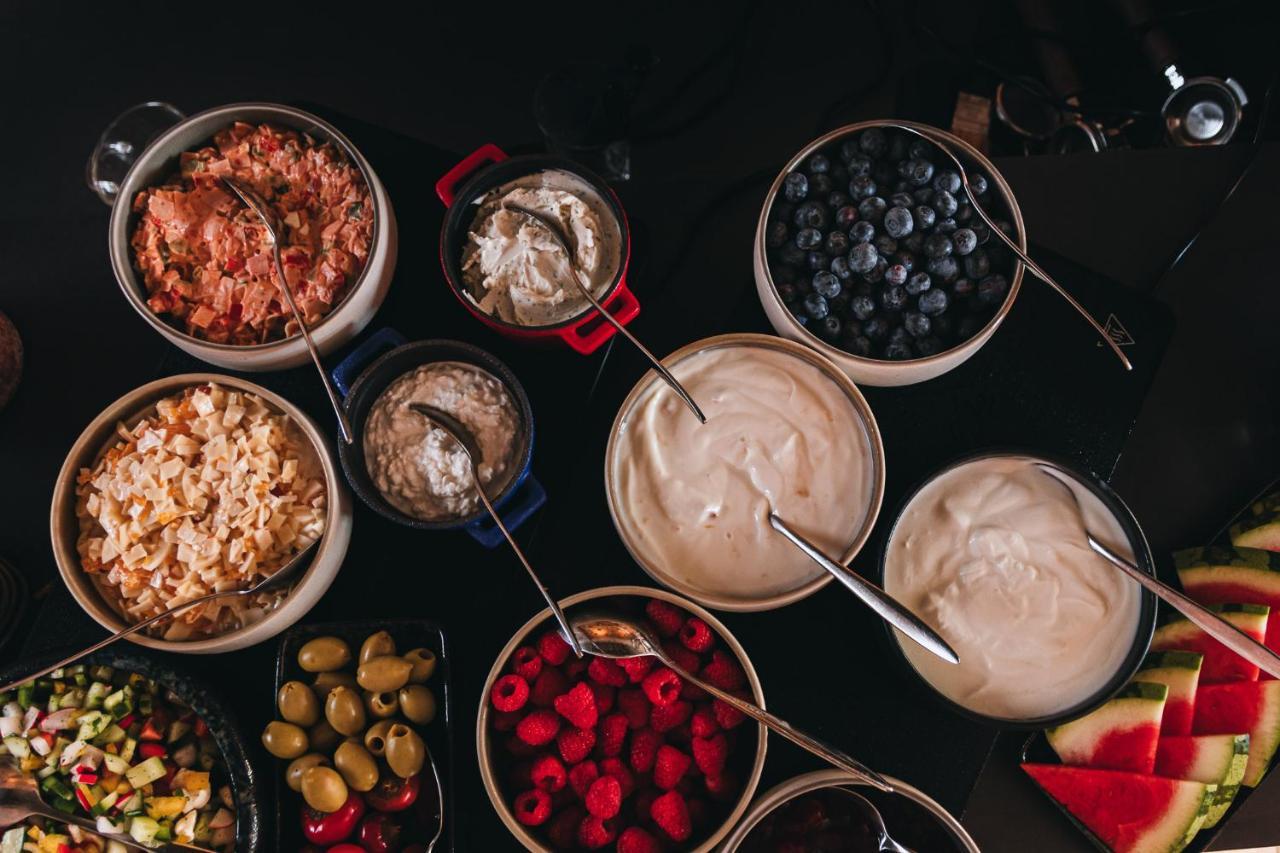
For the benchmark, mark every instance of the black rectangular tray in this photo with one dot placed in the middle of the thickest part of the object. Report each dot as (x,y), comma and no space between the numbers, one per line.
(438,734)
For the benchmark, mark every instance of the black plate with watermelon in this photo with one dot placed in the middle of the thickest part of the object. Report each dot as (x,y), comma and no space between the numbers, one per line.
(1170,757)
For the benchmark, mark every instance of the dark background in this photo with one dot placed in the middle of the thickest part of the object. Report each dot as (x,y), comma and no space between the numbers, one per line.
(730,93)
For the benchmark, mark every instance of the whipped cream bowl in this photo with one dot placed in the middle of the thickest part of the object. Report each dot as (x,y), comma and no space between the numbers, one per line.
(990,551)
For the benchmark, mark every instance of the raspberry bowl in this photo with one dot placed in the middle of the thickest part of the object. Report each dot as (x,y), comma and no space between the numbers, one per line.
(576,754)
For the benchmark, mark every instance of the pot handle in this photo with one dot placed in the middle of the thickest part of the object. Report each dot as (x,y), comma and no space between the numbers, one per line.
(350,368)
(522,503)
(624,307)
(487,153)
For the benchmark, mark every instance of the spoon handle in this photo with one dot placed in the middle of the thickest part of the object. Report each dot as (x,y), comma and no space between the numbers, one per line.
(1208,621)
(886,606)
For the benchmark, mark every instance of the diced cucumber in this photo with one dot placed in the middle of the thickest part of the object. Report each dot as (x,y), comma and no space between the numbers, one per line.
(128,748)
(98,692)
(144,774)
(113,734)
(54,786)
(119,704)
(17,746)
(104,805)
(116,764)
(144,830)
(92,724)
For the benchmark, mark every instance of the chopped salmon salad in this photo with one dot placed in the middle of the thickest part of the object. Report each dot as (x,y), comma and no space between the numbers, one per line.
(206,259)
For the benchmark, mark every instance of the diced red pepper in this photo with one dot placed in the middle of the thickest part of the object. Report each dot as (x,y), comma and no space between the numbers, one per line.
(202,728)
(152,729)
(88,778)
(84,799)
(127,721)
(151,750)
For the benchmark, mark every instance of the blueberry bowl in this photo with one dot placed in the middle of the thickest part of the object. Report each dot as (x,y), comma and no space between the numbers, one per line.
(869,250)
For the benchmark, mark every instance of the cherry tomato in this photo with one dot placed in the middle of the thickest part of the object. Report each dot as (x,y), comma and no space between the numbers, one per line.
(346,848)
(380,833)
(394,794)
(322,828)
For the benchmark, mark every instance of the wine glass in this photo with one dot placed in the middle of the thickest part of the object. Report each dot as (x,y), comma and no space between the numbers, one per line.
(123,141)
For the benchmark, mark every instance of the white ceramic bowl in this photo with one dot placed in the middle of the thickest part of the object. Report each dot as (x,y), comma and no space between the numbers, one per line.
(159,161)
(64,526)
(873,371)
(490,775)
(722,600)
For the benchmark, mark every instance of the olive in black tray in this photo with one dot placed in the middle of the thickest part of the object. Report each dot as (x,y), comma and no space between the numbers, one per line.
(874,246)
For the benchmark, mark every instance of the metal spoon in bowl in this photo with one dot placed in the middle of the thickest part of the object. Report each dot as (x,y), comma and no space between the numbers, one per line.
(275,228)
(612,635)
(1208,621)
(886,606)
(1013,247)
(874,819)
(435,775)
(464,439)
(553,228)
(280,579)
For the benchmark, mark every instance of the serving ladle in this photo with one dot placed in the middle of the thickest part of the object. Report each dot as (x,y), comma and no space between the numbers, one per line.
(462,436)
(275,228)
(612,635)
(1204,618)
(875,820)
(553,228)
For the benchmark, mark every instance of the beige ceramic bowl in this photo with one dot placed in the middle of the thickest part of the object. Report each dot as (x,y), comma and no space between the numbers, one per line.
(64,526)
(872,371)
(720,600)
(484,748)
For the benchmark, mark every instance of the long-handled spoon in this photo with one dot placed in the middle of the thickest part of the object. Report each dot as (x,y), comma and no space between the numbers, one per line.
(886,606)
(275,228)
(462,436)
(281,578)
(553,228)
(435,775)
(1208,621)
(612,635)
(875,820)
(1013,247)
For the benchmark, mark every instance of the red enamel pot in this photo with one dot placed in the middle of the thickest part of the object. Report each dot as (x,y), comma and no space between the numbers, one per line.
(487,168)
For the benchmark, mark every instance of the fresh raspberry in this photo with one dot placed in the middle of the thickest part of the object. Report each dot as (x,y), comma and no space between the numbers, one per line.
(666,717)
(671,814)
(518,748)
(576,744)
(685,659)
(722,787)
(696,635)
(605,671)
(604,797)
(526,663)
(605,697)
(548,774)
(724,672)
(563,829)
(615,768)
(613,731)
(662,686)
(635,840)
(637,668)
(505,721)
(553,648)
(693,693)
(538,728)
(578,706)
(710,754)
(509,693)
(533,807)
(703,722)
(670,767)
(679,736)
(726,715)
(595,832)
(547,686)
(635,705)
(667,619)
(644,749)
(582,775)
(574,668)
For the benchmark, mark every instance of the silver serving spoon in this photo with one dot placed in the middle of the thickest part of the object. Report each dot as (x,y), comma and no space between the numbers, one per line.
(553,228)
(435,775)
(875,819)
(281,578)
(1008,241)
(275,228)
(612,635)
(1208,621)
(20,799)
(462,436)
(886,606)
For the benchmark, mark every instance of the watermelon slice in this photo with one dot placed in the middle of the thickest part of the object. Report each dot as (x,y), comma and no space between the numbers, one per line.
(1259,525)
(1127,812)
(1218,759)
(1245,706)
(1180,672)
(1119,735)
(1221,575)
(1220,663)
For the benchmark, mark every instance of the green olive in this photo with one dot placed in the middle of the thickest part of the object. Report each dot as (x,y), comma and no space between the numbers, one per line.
(284,740)
(384,673)
(323,789)
(381,705)
(293,776)
(406,752)
(377,645)
(298,703)
(356,765)
(323,736)
(324,654)
(344,710)
(326,681)
(424,664)
(375,739)
(417,703)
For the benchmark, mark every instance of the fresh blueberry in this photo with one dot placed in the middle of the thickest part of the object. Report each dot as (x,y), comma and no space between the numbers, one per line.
(1007,227)
(815,305)
(977,183)
(816,260)
(858,345)
(944,203)
(991,290)
(943,325)
(919,172)
(937,246)
(914,242)
(876,275)
(919,149)
(884,173)
(826,285)
(885,244)
(922,195)
(946,226)
(873,142)
(862,307)
(776,235)
(928,346)
(898,147)
(840,174)
(966,241)
(839,303)
(964,213)
(782,272)
(862,232)
(837,199)
(925,216)
(948,180)
(899,199)
(907,259)
(902,188)
(872,209)
(796,187)
(811,214)
(898,222)
(830,327)
(791,255)
(782,211)
(808,238)
(899,334)
(916,324)
(837,243)
(877,329)
(893,298)
(858,165)
(962,287)
(898,351)
(863,257)
(820,185)
(982,231)
(846,216)
(931,303)
(977,264)
(818,164)
(944,270)
(863,186)
(895,275)
(918,283)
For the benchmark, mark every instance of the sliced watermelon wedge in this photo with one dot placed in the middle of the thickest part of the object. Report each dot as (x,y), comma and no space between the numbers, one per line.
(1259,525)
(1244,706)
(1217,759)
(1120,735)
(1180,672)
(1220,663)
(1221,575)
(1128,812)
